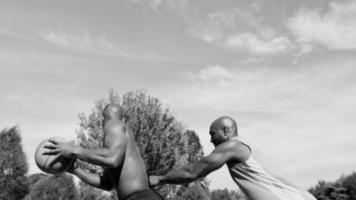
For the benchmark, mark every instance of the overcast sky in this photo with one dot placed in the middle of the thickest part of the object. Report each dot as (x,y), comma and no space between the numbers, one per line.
(285,70)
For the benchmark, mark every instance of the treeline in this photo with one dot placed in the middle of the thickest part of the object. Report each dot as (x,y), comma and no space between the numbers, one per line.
(343,188)
(164,143)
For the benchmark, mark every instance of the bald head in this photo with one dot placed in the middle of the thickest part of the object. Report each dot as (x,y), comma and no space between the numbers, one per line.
(112,111)
(225,122)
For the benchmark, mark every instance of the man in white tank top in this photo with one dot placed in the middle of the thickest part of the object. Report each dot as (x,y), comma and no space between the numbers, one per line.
(256,182)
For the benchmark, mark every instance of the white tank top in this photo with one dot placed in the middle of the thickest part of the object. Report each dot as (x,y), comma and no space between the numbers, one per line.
(258,184)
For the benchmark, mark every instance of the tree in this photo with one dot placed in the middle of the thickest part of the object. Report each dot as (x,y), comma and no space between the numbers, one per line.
(226,195)
(87,192)
(342,189)
(349,182)
(33,179)
(198,189)
(220,194)
(193,191)
(330,191)
(193,146)
(163,141)
(13,166)
(54,187)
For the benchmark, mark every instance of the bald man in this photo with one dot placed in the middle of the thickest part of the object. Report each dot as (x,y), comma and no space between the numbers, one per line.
(124,168)
(252,179)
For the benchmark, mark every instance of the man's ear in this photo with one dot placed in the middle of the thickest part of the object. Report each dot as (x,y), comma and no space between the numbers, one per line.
(225,129)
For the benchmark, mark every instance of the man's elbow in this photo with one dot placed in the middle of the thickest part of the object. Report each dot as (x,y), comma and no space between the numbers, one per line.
(191,176)
(114,161)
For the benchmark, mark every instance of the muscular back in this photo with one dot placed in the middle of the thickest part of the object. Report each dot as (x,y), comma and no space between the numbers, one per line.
(131,175)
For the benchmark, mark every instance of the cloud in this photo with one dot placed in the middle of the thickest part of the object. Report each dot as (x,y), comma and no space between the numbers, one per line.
(257,45)
(157,4)
(277,108)
(5,33)
(334,28)
(241,31)
(253,60)
(257,5)
(212,73)
(13,35)
(101,45)
(81,42)
(151,3)
(282,89)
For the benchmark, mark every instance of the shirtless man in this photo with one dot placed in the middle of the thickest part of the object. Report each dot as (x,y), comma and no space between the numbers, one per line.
(252,179)
(124,168)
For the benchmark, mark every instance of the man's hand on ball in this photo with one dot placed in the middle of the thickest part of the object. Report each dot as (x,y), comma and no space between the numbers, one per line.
(55,147)
(73,167)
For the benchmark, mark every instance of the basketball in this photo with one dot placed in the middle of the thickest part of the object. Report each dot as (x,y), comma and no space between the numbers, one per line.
(51,163)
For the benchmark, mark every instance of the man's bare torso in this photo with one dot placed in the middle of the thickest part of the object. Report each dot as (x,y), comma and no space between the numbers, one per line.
(131,176)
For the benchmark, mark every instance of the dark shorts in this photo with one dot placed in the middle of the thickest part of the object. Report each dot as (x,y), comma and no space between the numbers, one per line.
(147,194)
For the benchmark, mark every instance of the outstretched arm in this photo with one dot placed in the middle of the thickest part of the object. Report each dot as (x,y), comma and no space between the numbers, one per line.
(196,170)
(221,155)
(111,155)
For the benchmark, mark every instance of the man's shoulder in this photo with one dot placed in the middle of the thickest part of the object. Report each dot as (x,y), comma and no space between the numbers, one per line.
(238,150)
(240,143)
(234,143)
(228,146)
(115,127)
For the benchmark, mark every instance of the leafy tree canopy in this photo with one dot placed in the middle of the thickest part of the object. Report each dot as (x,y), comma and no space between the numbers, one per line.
(13,166)
(163,141)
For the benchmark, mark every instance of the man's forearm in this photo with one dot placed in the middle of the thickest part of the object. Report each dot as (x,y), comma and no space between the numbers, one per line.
(189,173)
(179,176)
(87,177)
(103,156)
